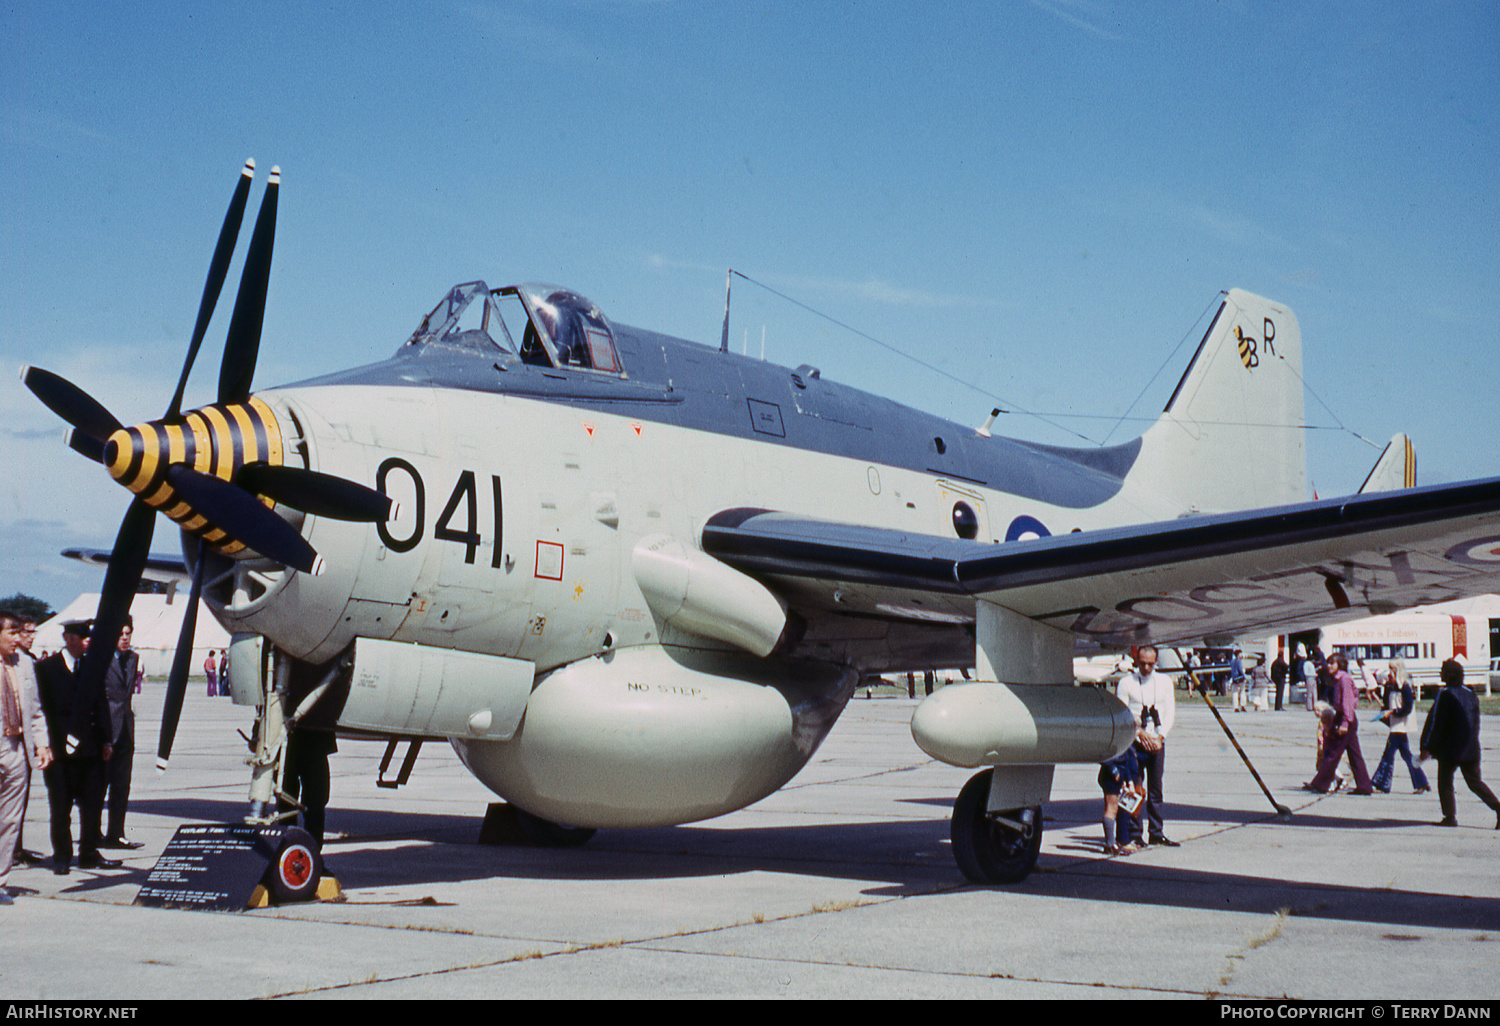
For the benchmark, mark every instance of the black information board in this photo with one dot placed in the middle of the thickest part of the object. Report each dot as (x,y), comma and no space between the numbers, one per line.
(211,866)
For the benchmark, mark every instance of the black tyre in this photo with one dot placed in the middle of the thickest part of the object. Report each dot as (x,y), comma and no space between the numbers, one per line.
(295,871)
(987,850)
(544,833)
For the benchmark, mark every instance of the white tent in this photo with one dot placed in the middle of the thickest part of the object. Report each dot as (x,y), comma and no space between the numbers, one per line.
(158,622)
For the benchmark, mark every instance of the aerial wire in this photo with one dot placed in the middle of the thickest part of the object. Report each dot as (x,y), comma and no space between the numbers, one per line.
(1192,329)
(921,363)
(1050,417)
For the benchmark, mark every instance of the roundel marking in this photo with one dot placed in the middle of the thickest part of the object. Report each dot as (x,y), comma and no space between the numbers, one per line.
(1023,525)
(1477,551)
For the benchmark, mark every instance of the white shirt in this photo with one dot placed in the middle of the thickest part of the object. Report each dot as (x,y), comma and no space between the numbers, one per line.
(1156,691)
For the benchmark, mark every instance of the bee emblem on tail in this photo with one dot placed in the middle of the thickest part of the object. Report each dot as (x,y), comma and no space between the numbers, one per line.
(1248,355)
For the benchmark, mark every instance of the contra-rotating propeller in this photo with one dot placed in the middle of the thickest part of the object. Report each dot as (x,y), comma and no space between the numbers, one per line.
(216,471)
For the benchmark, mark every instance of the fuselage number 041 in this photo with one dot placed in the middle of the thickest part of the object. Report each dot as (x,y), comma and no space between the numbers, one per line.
(465,496)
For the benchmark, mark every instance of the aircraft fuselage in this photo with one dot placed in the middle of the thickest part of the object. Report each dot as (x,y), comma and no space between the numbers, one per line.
(523,492)
(549,519)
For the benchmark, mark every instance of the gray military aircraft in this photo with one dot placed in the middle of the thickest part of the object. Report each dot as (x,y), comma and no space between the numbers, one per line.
(634,580)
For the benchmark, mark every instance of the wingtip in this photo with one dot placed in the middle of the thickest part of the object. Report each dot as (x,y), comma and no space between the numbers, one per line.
(249,171)
(317,567)
(25,370)
(275,178)
(161,765)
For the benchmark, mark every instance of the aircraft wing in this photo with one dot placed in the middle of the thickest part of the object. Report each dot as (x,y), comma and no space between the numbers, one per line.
(1215,576)
(166,569)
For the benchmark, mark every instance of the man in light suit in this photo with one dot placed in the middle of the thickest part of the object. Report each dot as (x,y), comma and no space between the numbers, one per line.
(23,740)
(25,856)
(1151,699)
(119,686)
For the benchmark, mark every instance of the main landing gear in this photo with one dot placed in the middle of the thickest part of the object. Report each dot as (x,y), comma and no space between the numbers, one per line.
(994,847)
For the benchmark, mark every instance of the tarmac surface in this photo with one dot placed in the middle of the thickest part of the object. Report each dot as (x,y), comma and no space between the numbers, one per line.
(841,885)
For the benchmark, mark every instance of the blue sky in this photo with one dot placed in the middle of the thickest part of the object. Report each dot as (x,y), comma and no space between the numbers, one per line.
(1040,198)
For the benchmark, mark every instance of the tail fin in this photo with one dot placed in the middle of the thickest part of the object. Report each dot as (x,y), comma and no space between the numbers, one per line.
(1231,436)
(1396,468)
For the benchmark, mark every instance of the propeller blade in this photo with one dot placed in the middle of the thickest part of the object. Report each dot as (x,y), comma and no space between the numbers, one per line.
(182,662)
(218,269)
(86,445)
(243,344)
(126,561)
(322,495)
(242,516)
(71,403)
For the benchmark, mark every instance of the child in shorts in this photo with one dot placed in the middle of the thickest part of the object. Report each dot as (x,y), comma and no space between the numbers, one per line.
(1121,778)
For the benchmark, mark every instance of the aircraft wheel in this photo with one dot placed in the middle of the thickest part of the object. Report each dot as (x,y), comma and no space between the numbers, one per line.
(297,868)
(987,850)
(546,834)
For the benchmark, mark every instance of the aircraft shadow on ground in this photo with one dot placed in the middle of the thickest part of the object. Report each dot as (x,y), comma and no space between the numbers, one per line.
(912,855)
(1077,811)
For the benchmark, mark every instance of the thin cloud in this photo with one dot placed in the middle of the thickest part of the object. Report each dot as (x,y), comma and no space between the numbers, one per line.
(1077,13)
(876,291)
(871,290)
(1156,206)
(53,133)
(1238,231)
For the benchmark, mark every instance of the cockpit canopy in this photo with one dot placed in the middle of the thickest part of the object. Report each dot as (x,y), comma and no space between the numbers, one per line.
(541,325)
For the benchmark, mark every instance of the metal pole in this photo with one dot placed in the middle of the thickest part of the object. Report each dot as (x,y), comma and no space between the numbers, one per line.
(1282,812)
(724,338)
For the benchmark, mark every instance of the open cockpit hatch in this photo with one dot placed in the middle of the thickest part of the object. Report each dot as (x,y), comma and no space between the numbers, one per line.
(539,325)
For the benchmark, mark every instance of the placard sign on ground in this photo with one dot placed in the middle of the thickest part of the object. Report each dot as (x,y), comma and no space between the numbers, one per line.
(211,866)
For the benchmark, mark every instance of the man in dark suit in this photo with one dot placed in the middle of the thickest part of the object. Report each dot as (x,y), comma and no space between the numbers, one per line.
(305,777)
(119,686)
(77,777)
(1452,734)
(1278,678)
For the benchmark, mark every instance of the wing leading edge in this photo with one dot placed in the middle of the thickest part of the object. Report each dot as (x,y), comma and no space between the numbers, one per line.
(165,569)
(1204,576)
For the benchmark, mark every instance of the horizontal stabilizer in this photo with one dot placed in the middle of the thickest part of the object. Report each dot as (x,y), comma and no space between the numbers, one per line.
(1396,468)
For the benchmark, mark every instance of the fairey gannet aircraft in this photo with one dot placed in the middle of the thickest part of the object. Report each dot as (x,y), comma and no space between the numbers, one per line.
(634,580)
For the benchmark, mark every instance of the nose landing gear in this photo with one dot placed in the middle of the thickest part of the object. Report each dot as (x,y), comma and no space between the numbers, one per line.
(297,869)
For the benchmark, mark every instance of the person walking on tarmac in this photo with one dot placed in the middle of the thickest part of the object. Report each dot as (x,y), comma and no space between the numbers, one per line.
(1451,733)
(1399,699)
(1343,733)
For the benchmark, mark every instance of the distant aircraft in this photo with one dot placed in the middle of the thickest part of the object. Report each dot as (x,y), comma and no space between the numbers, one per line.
(634,580)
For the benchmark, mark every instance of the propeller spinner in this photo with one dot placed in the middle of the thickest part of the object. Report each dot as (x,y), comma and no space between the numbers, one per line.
(216,471)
